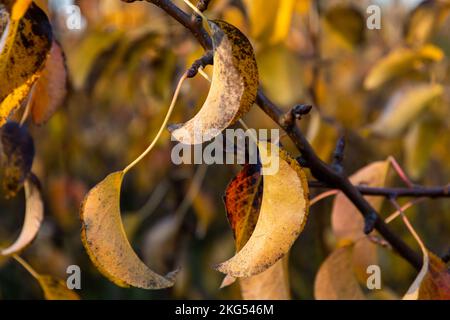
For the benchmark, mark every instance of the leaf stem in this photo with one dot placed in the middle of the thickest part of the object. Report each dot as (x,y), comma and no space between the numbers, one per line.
(27,111)
(163,126)
(196,10)
(26,266)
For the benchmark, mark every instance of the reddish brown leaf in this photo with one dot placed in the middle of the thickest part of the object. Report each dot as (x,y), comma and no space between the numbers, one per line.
(50,90)
(242,202)
(436,283)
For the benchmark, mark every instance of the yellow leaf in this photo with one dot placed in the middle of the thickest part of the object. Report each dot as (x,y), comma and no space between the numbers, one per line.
(233,88)
(347,223)
(404,107)
(55,289)
(262,15)
(50,90)
(283,21)
(424,20)
(418,144)
(272,284)
(282,216)
(19,8)
(346,24)
(335,279)
(82,60)
(398,62)
(322,136)
(105,240)
(34,213)
(281,74)
(24,47)
(243,201)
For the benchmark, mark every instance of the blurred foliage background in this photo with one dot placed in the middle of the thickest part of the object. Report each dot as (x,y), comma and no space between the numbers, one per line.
(123,65)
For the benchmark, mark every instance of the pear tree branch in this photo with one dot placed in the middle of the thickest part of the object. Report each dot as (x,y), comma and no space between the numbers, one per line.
(328,176)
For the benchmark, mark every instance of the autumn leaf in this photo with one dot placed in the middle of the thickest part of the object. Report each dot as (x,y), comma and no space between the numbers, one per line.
(404,107)
(34,214)
(104,239)
(50,89)
(24,47)
(53,288)
(18,155)
(424,20)
(347,223)
(417,145)
(233,88)
(80,65)
(282,24)
(335,279)
(279,70)
(282,216)
(243,198)
(347,23)
(272,284)
(398,62)
(263,16)
(436,283)
(322,136)
(19,8)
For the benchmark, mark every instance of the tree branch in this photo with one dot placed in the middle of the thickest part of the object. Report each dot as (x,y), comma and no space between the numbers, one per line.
(319,169)
(415,192)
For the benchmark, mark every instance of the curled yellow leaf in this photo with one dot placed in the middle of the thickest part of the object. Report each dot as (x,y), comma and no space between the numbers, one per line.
(282,217)
(104,238)
(233,88)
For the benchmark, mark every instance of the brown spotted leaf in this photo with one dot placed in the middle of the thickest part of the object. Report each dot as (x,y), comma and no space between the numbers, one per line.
(104,239)
(282,216)
(233,87)
(19,8)
(18,154)
(34,213)
(24,46)
(50,90)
